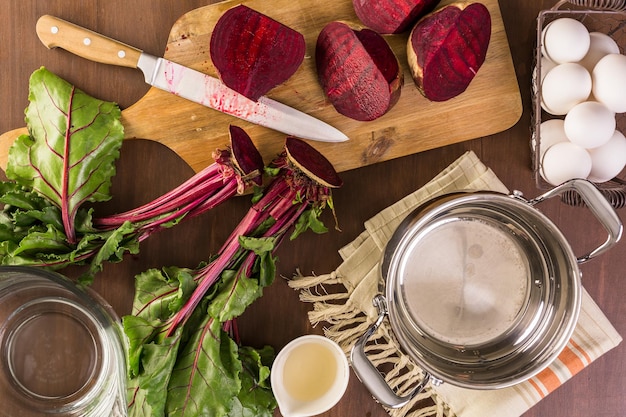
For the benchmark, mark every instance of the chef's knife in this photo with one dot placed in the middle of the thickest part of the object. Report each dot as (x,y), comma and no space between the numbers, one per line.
(184,82)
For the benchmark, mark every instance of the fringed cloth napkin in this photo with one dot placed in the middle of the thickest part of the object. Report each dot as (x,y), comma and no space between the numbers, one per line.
(343,300)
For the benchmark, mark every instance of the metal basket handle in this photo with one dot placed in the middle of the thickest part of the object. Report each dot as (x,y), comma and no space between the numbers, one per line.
(615,197)
(597,204)
(617,5)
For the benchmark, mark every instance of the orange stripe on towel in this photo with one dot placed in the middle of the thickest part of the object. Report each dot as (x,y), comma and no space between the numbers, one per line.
(537,388)
(545,382)
(581,351)
(573,357)
(571,360)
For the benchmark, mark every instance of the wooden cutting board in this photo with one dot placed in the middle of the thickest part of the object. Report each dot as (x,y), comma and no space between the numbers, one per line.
(491,104)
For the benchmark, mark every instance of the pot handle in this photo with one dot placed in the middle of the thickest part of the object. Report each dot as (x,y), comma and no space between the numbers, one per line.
(598,205)
(367,372)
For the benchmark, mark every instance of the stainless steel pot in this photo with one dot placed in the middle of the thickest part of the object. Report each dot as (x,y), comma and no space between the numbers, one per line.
(481,289)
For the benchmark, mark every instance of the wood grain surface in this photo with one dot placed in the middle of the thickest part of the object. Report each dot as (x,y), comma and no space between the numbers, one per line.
(147,169)
(491,103)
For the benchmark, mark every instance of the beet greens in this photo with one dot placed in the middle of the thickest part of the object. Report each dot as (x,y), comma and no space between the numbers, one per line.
(69,155)
(68,159)
(184,357)
(177,341)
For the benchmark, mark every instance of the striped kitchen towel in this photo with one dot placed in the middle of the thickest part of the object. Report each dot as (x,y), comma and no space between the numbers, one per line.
(347,311)
(594,335)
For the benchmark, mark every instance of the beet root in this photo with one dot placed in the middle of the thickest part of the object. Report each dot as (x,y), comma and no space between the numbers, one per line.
(358,71)
(254,53)
(447,47)
(312,163)
(246,156)
(392,16)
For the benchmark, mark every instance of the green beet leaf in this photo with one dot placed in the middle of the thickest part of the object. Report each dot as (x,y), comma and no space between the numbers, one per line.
(68,160)
(255,399)
(206,375)
(309,220)
(202,370)
(236,293)
(146,393)
(73,144)
(109,246)
(160,293)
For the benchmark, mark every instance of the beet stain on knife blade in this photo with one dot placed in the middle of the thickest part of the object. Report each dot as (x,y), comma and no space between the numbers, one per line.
(209,91)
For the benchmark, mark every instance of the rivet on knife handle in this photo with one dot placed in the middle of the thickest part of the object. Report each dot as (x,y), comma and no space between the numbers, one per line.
(54,32)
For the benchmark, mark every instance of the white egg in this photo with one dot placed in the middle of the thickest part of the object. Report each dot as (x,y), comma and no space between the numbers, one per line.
(589,124)
(565,161)
(546,67)
(601,45)
(565,40)
(609,159)
(609,82)
(563,87)
(551,131)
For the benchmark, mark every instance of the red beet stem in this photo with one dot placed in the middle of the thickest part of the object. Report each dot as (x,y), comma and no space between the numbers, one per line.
(205,182)
(207,276)
(194,208)
(229,174)
(284,200)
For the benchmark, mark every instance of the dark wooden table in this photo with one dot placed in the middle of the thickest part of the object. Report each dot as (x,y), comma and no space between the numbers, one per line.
(279,316)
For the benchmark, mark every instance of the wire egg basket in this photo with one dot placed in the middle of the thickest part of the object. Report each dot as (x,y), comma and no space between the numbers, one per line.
(615,5)
(608,17)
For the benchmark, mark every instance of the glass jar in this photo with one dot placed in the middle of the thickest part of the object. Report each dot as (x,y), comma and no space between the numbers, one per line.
(61,350)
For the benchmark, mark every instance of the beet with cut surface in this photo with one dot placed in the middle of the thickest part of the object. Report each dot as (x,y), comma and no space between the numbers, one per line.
(310,161)
(245,155)
(254,53)
(447,47)
(392,16)
(358,71)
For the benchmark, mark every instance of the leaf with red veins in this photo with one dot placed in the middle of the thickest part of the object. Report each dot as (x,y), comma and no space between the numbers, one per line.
(69,156)
(204,379)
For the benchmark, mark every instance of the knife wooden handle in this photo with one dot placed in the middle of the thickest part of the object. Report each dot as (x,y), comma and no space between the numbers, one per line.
(54,32)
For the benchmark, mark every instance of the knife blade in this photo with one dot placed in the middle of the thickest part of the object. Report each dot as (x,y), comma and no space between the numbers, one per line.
(183,81)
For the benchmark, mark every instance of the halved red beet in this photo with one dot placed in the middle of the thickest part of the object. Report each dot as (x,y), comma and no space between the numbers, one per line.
(246,156)
(310,161)
(447,47)
(392,16)
(358,71)
(254,53)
